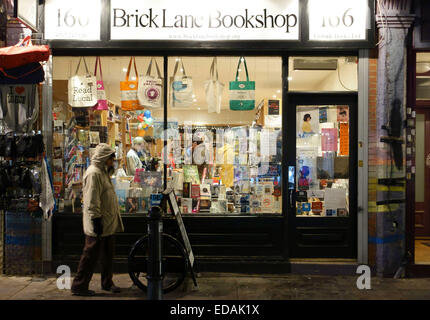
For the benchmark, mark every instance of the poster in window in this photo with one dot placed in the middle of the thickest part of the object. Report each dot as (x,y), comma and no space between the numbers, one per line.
(307,121)
(342,113)
(323,114)
(325,167)
(306,173)
(273,107)
(343,139)
(328,139)
(341,167)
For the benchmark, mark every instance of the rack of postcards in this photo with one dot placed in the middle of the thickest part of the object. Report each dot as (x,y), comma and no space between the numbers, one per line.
(239,171)
(77,138)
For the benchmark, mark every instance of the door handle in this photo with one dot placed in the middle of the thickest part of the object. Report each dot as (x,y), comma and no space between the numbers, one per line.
(291,185)
(428,160)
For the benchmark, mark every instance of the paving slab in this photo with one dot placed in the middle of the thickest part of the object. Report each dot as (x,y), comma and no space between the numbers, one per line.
(219,286)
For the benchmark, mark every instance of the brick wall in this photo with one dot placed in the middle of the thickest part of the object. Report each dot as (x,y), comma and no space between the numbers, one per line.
(373,180)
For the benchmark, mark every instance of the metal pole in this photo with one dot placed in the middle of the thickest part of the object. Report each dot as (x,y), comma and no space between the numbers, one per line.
(155,275)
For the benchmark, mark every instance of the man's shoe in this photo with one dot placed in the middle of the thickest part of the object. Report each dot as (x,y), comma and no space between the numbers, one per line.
(84,293)
(113,289)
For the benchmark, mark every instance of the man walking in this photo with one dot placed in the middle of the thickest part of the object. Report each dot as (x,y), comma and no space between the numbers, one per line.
(101,219)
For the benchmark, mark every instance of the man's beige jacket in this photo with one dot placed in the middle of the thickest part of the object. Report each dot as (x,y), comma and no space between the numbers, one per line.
(99,195)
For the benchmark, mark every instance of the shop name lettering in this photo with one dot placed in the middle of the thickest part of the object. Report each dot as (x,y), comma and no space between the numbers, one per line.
(215,20)
(82,94)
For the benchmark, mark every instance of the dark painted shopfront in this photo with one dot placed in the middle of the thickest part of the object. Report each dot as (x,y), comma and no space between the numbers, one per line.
(318,186)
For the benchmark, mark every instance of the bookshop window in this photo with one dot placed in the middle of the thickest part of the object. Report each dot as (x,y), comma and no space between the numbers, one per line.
(322,144)
(124,117)
(323,74)
(224,139)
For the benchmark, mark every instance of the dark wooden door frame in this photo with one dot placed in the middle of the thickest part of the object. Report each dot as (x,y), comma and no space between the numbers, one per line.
(426,112)
(324,98)
(412,270)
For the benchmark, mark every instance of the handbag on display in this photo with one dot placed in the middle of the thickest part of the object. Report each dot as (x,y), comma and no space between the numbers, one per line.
(23,53)
(214,89)
(101,93)
(150,90)
(129,100)
(27,74)
(242,93)
(181,88)
(82,88)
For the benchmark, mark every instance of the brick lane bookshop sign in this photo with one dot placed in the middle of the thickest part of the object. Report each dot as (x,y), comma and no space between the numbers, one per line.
(205,20)
(329,20)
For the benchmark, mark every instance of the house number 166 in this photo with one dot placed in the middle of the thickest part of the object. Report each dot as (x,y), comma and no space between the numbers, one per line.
(334,21)
(70,20)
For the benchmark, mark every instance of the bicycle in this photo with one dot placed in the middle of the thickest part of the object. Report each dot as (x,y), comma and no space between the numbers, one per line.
(175,263)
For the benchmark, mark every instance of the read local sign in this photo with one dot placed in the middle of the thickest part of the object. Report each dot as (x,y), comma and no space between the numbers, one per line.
(329,20)
(204,20)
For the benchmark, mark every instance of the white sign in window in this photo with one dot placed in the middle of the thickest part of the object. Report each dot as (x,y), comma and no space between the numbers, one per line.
(27,11)
(208,20)
(72,20)
(337,20)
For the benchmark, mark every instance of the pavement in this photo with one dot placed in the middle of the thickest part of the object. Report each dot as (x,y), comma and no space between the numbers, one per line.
(227,286)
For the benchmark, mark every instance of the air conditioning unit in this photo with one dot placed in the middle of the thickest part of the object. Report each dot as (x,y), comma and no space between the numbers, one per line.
(315,64)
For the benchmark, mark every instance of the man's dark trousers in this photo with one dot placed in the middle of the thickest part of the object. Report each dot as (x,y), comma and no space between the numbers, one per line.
(93,247)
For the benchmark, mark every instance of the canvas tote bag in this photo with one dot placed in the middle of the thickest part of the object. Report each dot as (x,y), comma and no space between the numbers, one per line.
(82,88)
(181,88)
(150,90)
(129,100)
(242,93)
(23,53)
(101,93)
(214,89)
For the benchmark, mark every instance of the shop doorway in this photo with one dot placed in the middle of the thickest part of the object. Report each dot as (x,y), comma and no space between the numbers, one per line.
(422,187)
(322,194)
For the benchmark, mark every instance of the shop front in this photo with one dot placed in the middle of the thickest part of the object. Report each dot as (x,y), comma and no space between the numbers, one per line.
(256,116)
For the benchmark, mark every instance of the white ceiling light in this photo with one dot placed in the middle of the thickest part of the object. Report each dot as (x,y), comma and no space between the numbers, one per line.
(423,67)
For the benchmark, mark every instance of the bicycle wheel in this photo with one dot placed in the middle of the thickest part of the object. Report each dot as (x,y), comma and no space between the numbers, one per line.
(174,263)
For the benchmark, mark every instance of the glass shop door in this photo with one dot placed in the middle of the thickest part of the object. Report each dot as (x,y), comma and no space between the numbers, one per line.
(322,195)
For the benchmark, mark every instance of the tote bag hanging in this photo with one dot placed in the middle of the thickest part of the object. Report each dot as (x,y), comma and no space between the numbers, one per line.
(242,93)
(150,90)
(181,88)
(23,53)
(82,88)
(101,93)
(214,89)
(129,100)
